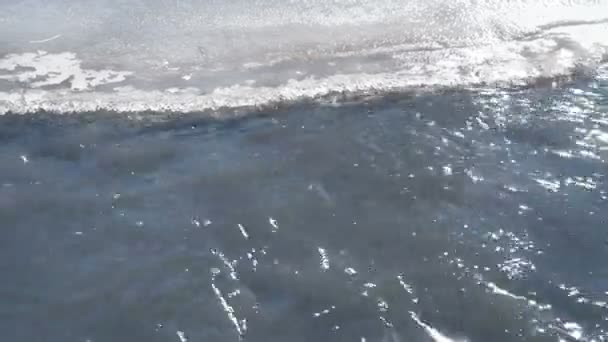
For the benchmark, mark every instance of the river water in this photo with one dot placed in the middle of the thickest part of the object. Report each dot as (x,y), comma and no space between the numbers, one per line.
(458,215)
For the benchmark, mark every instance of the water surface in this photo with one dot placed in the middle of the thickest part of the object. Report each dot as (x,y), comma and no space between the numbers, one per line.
(472,215)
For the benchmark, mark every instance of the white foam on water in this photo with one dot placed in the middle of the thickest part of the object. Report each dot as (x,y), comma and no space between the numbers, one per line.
(254,261)
(229,310)
(407,287)
(243,231)
(587,183)
(365,292)
(191,56)
(234,293)
(42,69)
(583,154)
(433,333)
(600,137)
(382,305)
(574,330)
(350,271)
(564,154)
(45,40)
(549,184)
(182,336)
(324,311)
(516,268)
(229,264)
(274,224)
(500,291)
(324,258)
(473,175)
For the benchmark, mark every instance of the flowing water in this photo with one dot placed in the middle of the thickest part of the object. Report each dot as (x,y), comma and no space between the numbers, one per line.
(303,170)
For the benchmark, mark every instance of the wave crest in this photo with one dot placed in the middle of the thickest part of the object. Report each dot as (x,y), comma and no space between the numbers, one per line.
(178,56)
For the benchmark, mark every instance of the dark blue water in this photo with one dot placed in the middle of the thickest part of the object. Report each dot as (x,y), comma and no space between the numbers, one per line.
(473,215)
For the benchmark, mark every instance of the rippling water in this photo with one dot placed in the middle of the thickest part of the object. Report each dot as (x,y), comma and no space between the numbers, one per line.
(311,170)
(473,215)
